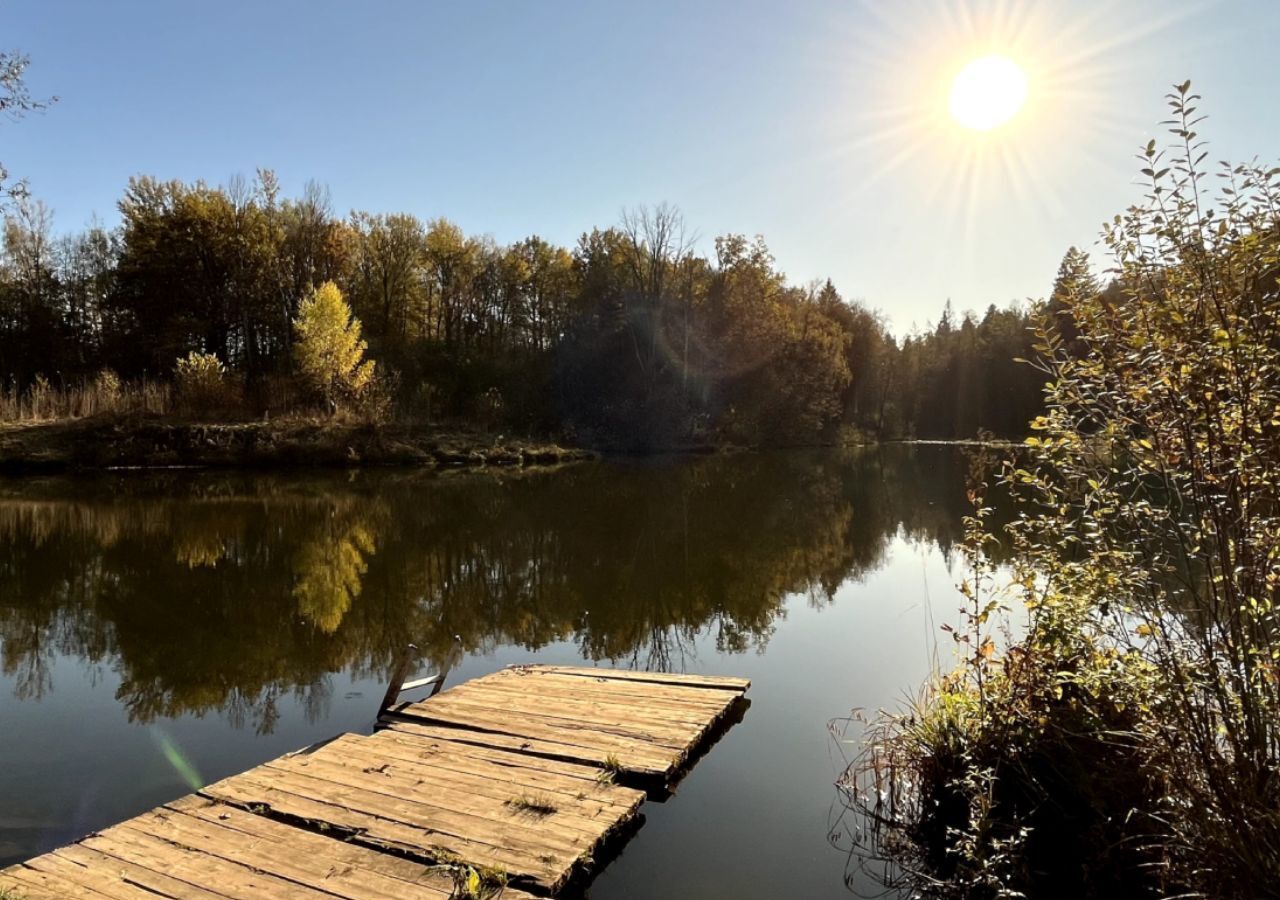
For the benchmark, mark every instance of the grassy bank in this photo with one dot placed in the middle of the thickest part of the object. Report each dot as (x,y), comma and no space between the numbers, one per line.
(154,442)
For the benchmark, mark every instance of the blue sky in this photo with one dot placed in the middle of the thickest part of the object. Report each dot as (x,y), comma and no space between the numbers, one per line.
(817,123)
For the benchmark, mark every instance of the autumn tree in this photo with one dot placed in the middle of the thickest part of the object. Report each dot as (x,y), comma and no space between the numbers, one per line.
(776,359)
(386,276)
(310,246)
(197,271)
(870,354)
(329,350)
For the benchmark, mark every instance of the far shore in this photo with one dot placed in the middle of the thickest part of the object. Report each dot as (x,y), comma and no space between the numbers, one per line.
(103,443)
(123,443)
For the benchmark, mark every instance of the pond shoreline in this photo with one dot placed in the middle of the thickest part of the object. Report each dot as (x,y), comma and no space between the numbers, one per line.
(121,444)
(154,443)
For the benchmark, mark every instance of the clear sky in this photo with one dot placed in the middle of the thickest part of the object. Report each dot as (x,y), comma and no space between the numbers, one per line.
(821,124)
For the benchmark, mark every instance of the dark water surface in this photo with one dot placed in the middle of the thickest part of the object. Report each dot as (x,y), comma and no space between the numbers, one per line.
(161,632)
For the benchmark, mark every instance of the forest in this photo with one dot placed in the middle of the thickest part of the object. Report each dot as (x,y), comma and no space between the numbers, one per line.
(630,339)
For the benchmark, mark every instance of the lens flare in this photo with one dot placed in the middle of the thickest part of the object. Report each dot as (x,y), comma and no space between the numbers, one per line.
(185,769)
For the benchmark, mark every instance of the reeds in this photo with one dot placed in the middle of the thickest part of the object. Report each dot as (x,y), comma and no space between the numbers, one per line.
(103,394)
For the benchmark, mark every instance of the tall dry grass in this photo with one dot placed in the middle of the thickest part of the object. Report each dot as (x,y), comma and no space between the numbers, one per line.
(206,398)
(104,394)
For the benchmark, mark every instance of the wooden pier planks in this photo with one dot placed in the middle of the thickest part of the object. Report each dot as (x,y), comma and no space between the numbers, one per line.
(510,772)
(641,724)
(197,849)
(533,819)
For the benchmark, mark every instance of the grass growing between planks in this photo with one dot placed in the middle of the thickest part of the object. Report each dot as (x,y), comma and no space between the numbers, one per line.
(534,804)
(473,882)
(610,769)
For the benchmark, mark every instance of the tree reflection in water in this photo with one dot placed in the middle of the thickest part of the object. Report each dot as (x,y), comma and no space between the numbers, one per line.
(219,592)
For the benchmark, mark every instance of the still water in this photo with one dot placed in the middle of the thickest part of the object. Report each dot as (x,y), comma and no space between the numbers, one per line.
(161,632)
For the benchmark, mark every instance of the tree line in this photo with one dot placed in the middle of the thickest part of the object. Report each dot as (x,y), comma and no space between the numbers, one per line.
(629,338)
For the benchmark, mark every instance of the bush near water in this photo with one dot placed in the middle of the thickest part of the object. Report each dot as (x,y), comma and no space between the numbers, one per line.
(1128,743)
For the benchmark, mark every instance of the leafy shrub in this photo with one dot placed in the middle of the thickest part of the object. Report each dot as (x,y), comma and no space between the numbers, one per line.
(201,382)
(1136,726)
(376,403)
(1040,784)
(107,391)
(1153,487)
(1027,773)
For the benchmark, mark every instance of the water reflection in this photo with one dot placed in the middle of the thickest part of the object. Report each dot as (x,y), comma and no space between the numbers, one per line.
(223,593)
(160,631)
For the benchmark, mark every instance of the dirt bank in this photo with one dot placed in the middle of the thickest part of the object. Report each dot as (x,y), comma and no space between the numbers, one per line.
(150,443)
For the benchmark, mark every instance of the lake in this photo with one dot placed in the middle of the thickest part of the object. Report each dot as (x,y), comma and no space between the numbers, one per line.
(161,631)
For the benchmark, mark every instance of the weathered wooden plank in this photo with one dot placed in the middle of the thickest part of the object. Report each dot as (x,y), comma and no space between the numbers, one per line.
(440,800)
(541,679)
(636,756)
(34,884)
(647,755)
(88,879)
(465,732)
(359,765)
(237,881)
(544,725)
(711,682)
(8,882)
(450,743)
(387,800)
(428,880)
(595,707)
(572,804)
(28,892)
(424,831)
(308,869)
(127,871)
(371,830)
(528,701)
(480,762)
(664,711)
(150,868)
(553,720)
(568,816)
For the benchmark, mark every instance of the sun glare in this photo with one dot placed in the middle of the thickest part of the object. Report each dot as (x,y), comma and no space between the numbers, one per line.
(987,93)
(968,102)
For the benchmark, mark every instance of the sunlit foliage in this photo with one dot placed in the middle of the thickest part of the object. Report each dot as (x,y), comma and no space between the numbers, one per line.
(201,382)
(630,338)
(329,349)
(1148,556)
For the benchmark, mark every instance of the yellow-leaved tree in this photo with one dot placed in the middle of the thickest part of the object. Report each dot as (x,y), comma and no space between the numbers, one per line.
(329,350)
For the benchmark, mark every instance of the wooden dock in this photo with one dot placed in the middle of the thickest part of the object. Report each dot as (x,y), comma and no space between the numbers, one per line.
(516,784)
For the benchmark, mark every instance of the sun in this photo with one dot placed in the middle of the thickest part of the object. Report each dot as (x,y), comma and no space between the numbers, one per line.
(988,92)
